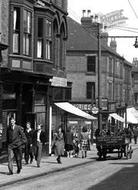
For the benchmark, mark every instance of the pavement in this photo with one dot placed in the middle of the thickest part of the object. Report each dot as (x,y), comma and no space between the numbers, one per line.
(48,166)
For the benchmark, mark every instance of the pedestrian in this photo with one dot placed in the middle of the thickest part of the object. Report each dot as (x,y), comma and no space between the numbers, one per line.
(39,138)
(15,140)
(76,143)
(69,142)
(135,132)
(29,145)
(59,144)
(84,142)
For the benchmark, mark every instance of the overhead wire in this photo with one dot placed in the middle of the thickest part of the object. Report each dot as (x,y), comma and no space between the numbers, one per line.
(130,4)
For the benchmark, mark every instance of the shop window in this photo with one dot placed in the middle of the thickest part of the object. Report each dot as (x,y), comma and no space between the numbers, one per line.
(90,91)
(91,64)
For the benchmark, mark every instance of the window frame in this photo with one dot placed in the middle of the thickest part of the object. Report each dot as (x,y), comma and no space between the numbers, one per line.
(20,31)
(46,38)
(89,87)
(91,64)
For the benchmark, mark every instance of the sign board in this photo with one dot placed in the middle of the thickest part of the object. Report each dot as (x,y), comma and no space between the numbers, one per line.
(83,106)
(58,81)
(115,18)
(104,103)
(95,110)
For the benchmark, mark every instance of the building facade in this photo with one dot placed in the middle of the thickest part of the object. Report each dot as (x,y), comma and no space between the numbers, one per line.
(36,33)
(82,70)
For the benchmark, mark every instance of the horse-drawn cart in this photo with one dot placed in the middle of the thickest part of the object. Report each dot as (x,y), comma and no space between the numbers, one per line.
(113,144)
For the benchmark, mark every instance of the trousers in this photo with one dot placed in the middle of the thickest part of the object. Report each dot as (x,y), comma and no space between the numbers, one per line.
(38,152)
(17,153)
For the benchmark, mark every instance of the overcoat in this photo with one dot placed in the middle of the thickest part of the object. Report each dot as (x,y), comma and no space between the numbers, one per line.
(59,144)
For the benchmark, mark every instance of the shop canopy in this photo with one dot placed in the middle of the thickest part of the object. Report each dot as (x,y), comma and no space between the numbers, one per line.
(132,115)
(117,117)
(66,106)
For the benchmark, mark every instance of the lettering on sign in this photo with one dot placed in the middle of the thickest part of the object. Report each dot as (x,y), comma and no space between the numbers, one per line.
(114,18)
(84,107)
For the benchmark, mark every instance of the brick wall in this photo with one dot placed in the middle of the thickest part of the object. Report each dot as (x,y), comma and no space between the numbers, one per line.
(76,73)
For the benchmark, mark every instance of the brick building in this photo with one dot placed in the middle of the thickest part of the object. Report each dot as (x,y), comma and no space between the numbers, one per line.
(35,32)
(82,70)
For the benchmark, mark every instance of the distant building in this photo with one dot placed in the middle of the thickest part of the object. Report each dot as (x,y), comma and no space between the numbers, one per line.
(82,70)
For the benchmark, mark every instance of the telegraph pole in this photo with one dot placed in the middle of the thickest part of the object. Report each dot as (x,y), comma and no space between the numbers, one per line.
(99,79)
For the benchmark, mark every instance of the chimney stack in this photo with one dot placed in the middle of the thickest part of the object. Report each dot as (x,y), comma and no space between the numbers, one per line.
(113,44)
(90,22)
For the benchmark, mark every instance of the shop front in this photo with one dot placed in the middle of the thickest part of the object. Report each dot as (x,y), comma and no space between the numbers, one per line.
(25,97)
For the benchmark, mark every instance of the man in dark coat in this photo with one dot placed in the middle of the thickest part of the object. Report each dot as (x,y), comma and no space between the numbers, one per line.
(15,140)
(39,138)
(28,146)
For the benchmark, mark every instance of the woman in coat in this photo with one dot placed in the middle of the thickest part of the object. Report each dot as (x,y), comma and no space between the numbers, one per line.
(84,142)
(69,142)
(59,144)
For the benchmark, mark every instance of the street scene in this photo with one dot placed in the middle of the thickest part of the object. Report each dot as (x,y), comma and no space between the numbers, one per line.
(68,95)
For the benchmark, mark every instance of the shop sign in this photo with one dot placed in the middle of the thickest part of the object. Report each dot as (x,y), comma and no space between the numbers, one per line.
(104,103)
(95,110)
(115,18)
(84,107)
(58,81)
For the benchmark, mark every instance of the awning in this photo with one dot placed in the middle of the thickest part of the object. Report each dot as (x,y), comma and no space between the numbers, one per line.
(132,115)
(117,117)
(73,110)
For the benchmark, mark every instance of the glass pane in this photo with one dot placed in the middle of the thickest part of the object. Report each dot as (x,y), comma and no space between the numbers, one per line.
(16,18)
(41,117)
(26,44)
(48,28)
(40,27)
(29,23)
(25,20)
(39,48)
(48,50)
(15,43)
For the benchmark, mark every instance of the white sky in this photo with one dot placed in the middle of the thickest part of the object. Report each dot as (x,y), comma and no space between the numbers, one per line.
(124,45)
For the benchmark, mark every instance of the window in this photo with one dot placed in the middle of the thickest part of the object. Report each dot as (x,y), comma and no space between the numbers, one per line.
(16,30)
(44,39)
(110,90)
(21,39)
(91,64)
(48,39)
(90,91)
(27,32)
(40,38)
(110,66)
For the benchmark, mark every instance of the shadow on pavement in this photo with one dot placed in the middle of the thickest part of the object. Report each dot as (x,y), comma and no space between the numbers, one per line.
(125,179)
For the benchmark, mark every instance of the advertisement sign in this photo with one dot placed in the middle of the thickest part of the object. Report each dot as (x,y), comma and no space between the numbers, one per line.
(115,18)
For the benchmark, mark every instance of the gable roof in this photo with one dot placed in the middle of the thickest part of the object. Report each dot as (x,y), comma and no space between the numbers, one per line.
(79,39)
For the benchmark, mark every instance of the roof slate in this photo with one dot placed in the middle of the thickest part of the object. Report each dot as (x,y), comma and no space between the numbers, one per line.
(79,39)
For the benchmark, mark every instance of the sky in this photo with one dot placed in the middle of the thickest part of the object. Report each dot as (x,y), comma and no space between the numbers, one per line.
(125,46)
